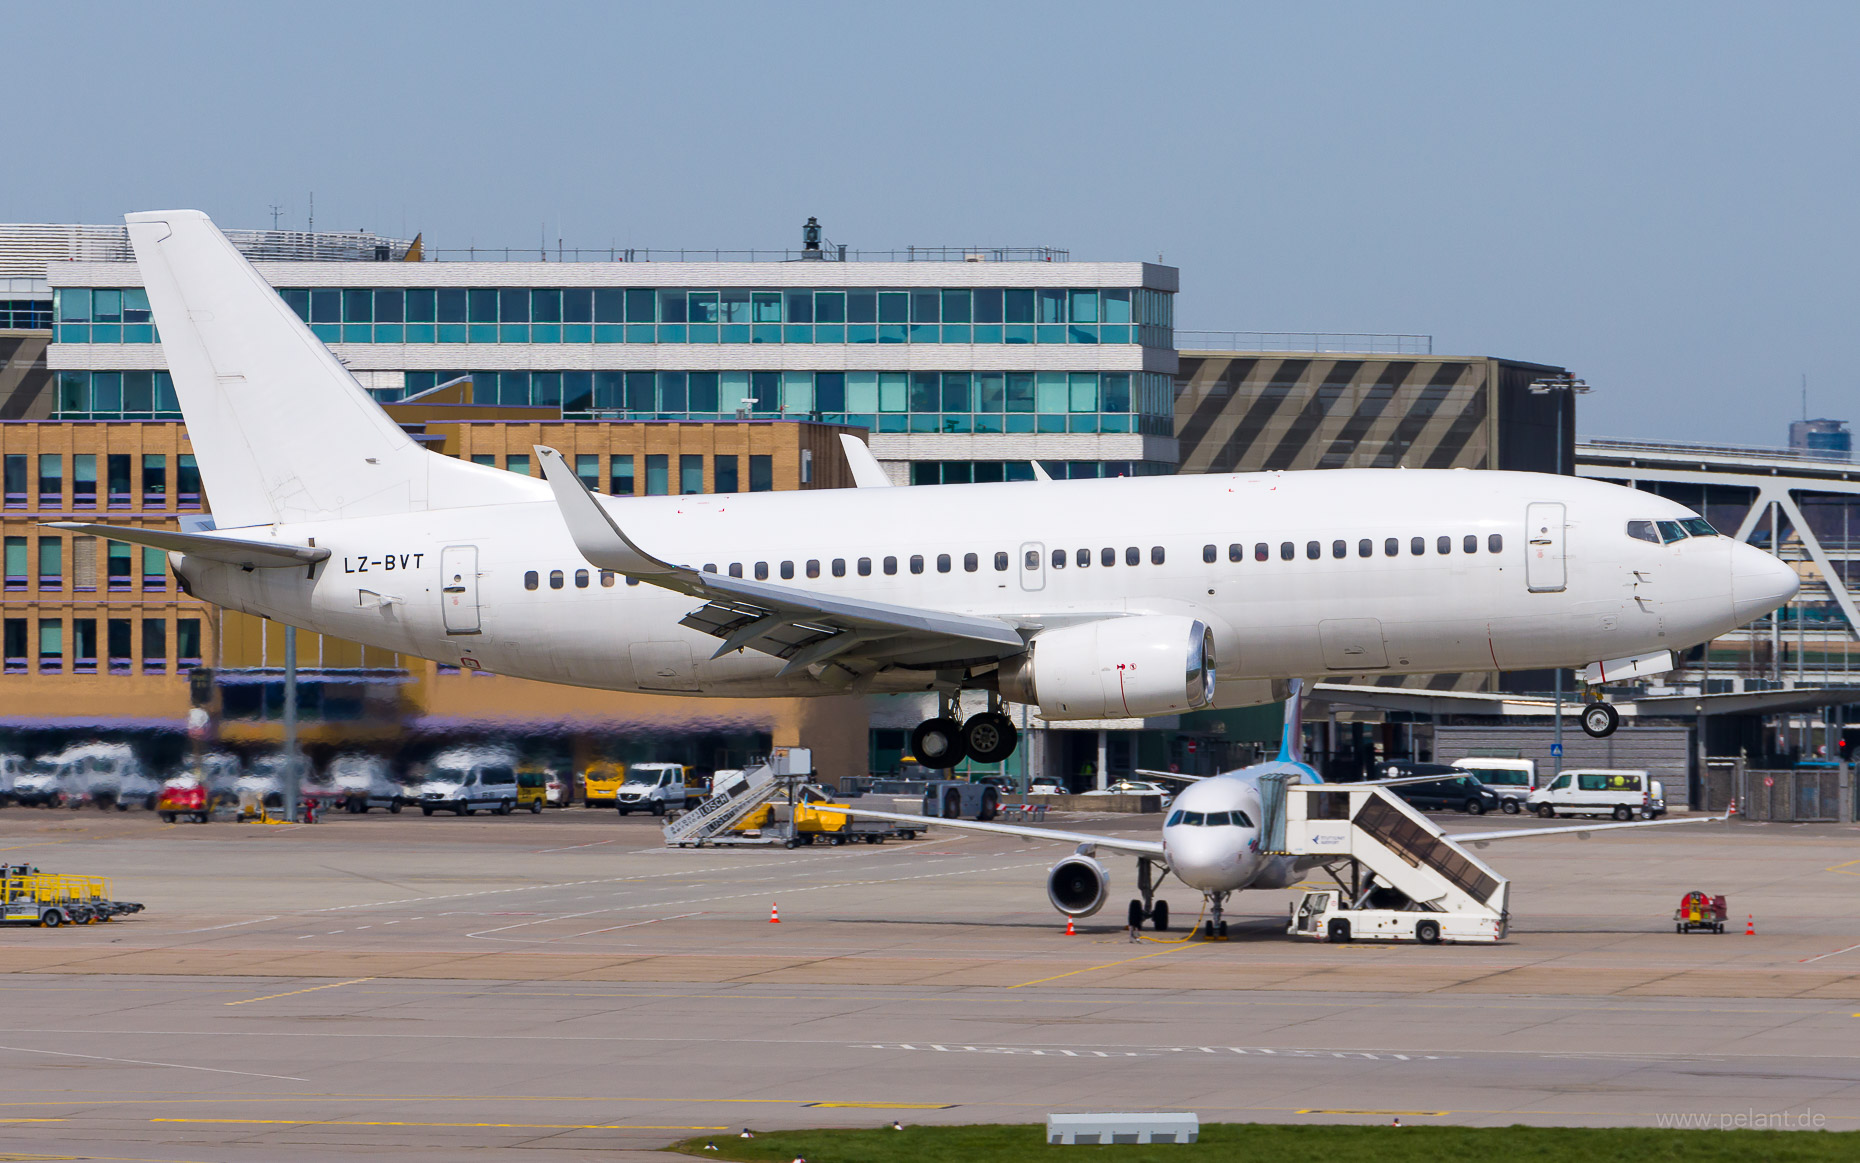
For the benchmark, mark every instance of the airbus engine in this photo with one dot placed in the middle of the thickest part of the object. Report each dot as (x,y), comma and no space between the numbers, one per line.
(1077,886)
(1117,668)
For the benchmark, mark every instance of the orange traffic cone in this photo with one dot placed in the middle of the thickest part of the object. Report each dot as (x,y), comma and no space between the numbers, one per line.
(1750,924)
(1069,930)
(774,914)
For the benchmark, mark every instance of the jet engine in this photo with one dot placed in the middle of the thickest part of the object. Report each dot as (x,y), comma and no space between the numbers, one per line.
(1116,668)
(1077,886)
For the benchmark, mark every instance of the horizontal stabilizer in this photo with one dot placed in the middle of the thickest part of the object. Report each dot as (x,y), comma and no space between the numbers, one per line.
(230,550)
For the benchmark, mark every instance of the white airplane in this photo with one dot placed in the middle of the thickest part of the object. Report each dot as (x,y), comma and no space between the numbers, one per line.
(1211,838)
(1086,599)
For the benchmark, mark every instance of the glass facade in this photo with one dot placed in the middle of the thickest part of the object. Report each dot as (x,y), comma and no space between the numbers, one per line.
(646,315)
(25,314)
(963,472)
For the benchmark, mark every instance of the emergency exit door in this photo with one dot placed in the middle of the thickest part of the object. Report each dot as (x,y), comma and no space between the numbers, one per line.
(458,588)
(1545,570)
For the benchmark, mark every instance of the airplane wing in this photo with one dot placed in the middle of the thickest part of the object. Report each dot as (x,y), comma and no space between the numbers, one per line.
(1146,773)
(1116,843)
(1483,838)
(231,550)
(802,626)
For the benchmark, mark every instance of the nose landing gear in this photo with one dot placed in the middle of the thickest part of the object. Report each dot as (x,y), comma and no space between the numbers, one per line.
(1216,928)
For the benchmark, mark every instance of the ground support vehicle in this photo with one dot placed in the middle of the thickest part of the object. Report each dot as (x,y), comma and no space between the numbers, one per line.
(359,782)
(813,821)
(183,799)
(600,783)
(1600,791)
(955,799)
(1699,910)
(1326,916)
(657,788)
(538,787)
(1512,779)
(465,779)
(53,899)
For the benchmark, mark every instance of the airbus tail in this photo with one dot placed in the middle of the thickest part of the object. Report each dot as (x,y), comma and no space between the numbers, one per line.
(281,430)
(1292,735)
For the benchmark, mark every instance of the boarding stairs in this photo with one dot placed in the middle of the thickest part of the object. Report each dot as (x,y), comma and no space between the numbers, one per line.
(1332,823)
(725,807)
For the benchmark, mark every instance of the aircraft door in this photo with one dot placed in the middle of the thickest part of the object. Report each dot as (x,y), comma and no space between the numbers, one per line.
(458,588)
(1545,570)
(1033,566)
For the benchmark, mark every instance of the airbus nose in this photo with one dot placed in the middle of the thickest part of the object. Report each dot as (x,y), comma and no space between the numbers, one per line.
(1759,583)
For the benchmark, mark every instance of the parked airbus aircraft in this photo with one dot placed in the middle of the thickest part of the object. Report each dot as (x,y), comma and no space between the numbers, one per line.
(1086,599)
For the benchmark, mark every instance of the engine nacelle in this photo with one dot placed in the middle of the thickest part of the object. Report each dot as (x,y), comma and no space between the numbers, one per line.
(1117,668)
(1077,886)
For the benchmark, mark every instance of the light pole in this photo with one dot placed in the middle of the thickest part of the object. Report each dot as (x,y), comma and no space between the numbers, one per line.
(1564,385)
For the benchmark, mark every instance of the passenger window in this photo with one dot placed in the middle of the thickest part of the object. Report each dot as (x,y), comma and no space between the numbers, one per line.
(1443,545)
(813,567)
(1417,546)
(1059,559)
(1340,549)
(736,569)
(839,567)
(1084,558)
(1287,551)
(1262,551)
(1001,562)
(581,578)
(917,563)
(555,579)
(865,567)
(1133,556)
(787,570)
(1391,547)
(1156,555)
(942,563)
(1236,552)
(1209,554)
(970,563)
(632,581)
(530,580)
(891,566)
(1365,548)
(1033,559)
(1671,531)
(1471,543)
(1313,550)
(1107,557)
(1495,543)
(762,571)
(607,578)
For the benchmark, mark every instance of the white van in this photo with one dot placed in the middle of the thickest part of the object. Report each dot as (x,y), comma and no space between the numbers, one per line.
(1600,791)
(105,774)
(360,781)
(1513,779)
(655,788)
(11,768)
(464,779)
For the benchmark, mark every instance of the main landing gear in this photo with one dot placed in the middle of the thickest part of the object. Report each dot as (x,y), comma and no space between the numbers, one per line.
(1149,908)
(1599,720)
(945,741)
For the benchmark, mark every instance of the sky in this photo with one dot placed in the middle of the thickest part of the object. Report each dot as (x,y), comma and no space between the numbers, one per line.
(1658,196)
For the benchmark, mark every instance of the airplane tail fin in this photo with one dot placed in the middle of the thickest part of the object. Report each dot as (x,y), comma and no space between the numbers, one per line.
(281,430)
(1292,736)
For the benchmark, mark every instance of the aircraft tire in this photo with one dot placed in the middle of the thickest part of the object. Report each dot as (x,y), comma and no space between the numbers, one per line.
(937,743)
(989,737)
(1599,720)
(1159,916)
(1134,917)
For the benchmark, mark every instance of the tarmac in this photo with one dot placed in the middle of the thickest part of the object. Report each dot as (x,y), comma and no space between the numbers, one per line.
(397,986)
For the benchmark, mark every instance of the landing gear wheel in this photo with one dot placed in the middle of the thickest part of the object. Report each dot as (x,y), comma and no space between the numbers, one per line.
(1134,917)
(1220,930)
(1623,813)
(1427,932)
(989,737)
(1599,720)
(1159,916)
(937,743)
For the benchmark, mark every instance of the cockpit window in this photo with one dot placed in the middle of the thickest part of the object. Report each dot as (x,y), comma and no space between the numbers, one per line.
(1175,819)
(1643,531)
(1193,819)
(1241,819)
(1671,531)
(1217,819)
(1698,527)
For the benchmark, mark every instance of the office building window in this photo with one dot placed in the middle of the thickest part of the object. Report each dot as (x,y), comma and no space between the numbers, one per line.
(15,480)
(187,641)
(51,563)
(119,642)
(690,473)
(154,568)
(154,645)
(117,466)
(154,480)
(658,473)
(16,564)
(723,469)
(51,645)
(84,480)
(588,468)
(487,459)
(120,565)
(620,478)
(84,646)
(51,480)
(186,481)
(761,473)
(84,563)
(14,635)
(518,463)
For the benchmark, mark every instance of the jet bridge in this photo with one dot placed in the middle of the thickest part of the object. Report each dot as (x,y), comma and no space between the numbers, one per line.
(1387,845)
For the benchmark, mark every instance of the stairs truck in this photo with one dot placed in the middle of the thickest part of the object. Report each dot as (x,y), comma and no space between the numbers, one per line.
(1398,878)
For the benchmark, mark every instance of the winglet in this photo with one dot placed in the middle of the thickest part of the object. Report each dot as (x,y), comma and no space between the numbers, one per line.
(867,472)
(1040,474)
(1292,738)
(596,535)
